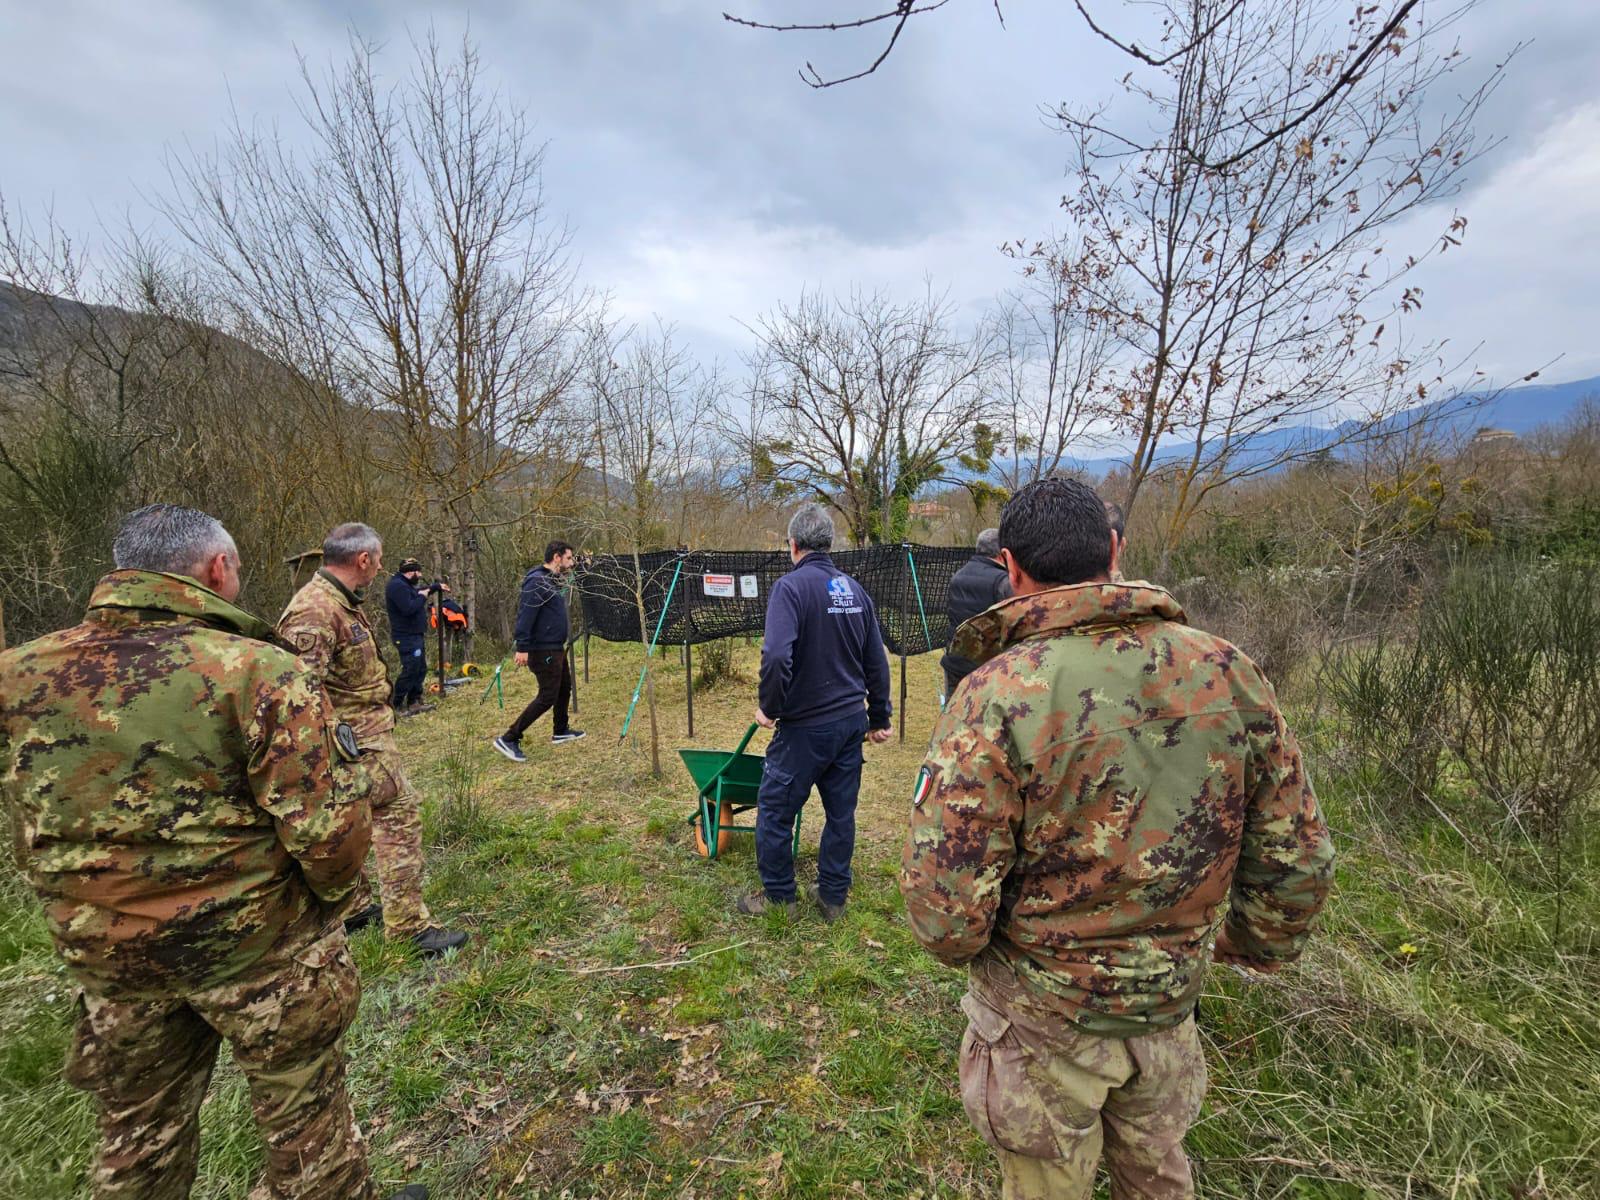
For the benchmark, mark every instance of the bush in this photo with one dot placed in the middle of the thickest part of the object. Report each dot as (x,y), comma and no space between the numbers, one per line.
(715,663)
(1501,673)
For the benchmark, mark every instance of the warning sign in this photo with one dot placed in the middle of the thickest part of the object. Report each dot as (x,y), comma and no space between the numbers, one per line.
(747,587)
(718,585)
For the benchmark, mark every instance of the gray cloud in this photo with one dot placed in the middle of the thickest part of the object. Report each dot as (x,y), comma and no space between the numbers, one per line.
(705,182)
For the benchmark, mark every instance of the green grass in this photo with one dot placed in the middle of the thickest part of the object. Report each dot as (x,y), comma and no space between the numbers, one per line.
(614,1029)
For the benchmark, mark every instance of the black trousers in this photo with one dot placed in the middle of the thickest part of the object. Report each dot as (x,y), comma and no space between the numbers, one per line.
(413,670)
(551,669)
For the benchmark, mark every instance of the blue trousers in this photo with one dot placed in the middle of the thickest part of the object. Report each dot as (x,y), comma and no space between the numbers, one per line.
(827,757)
(413,670)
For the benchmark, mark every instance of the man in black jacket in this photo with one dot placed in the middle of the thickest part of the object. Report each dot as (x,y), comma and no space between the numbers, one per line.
(980,583)
(825,687)
(407,602)
(541,643)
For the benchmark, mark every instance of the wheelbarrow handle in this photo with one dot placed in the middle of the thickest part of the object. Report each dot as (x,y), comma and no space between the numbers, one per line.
(745,741)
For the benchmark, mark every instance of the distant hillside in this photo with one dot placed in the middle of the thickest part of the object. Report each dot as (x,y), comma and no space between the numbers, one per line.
(1521,410)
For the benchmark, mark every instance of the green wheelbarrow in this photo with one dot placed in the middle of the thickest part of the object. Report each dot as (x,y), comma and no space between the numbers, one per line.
(729,785)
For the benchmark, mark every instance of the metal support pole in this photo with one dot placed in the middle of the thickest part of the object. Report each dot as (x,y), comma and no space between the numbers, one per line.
(902,697)
(438,615)
(572,687)
(688,682)
(586,656)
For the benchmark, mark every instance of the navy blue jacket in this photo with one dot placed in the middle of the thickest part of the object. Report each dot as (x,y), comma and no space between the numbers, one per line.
(822,654)
(408,611)
(542,612)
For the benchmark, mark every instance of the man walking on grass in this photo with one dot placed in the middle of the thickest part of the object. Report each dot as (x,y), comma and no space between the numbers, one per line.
(327,626)
(822,659)
(541,646)
(175,805)
(1110,790)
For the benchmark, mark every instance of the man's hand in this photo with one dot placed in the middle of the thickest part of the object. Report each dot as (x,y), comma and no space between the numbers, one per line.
(521,657)
(763,720)
(1228,955)
(880,736)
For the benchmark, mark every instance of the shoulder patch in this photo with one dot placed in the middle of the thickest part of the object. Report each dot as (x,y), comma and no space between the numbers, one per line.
(924,787)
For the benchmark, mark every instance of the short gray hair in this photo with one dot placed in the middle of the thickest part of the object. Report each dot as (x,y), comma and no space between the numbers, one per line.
(169,538)
(989,543)
(811,528)
(345,542)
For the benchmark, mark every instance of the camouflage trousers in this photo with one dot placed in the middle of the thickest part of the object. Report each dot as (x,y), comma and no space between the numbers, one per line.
(396,843)
(148,1063)
(1050,1099)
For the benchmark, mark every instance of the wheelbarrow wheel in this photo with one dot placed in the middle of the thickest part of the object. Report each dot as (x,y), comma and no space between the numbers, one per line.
(702,829)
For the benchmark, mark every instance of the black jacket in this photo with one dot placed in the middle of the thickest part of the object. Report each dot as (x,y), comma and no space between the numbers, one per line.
(979,584)
(408,610)
(542,612)
(822,651)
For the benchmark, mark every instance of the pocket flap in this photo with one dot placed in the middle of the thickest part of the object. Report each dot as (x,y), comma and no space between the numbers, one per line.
(988,1024)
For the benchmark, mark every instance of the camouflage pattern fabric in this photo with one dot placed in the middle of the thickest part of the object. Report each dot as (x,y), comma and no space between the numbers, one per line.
(148,1064)
(1107,789)
(328,628)
(167,773)
(396,841)
(1050,1099)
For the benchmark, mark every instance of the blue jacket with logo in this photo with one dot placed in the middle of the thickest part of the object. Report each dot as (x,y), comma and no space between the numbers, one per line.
(822,654)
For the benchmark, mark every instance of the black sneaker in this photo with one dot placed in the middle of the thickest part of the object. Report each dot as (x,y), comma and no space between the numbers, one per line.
(830,912)
(411,1191)
(369,915)
(512,750)
(435,941)
(570,735)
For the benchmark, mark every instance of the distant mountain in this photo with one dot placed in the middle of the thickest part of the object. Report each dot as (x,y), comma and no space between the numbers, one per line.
(1520,410)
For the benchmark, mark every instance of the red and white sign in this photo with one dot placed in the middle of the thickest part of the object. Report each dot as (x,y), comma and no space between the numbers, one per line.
(718,585)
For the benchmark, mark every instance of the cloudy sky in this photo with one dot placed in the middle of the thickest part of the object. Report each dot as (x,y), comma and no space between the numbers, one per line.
(704,182)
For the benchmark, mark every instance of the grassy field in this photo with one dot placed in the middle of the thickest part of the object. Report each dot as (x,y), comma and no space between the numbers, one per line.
(614,1029)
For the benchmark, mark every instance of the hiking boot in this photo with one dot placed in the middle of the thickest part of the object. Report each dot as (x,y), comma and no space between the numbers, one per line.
(411,1191)
(434,941)
(830,912)
(757,903)
(512,750)
(570,735)
(355,922)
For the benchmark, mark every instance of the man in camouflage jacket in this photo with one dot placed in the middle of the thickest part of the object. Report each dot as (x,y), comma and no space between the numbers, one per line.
(327,626)
(1107,791)
(168,773)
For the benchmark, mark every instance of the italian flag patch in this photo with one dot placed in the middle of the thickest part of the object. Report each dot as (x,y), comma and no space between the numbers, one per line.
(924,787)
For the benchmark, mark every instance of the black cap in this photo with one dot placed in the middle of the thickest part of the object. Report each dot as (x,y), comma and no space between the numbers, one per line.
(407,566)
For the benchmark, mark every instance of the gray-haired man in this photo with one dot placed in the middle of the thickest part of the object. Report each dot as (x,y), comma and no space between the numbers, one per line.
(824,686)
(327,627)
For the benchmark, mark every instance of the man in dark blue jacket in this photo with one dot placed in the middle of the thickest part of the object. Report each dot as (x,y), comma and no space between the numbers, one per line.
(822,659)
(980,584)
(407,602)
(541,643)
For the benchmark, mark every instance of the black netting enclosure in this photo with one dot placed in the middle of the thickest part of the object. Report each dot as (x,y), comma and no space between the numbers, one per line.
(723,593)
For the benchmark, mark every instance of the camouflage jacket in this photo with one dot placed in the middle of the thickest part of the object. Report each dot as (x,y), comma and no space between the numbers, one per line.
(168,776)
(328,628)
(1104,791)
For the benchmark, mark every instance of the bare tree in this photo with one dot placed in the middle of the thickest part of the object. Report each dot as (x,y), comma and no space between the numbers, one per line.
(863,402)
(1250,303)
(406,265)
(1052,359)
